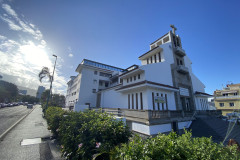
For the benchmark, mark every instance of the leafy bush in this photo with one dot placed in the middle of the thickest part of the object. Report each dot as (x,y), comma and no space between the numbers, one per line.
(89,134)
(54,115)
(86,135)
(172,146)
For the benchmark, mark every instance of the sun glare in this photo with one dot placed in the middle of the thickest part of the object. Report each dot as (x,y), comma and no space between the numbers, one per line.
(35,55)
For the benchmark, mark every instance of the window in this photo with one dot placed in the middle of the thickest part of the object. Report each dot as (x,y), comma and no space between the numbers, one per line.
(166,101)
(134,78)
(141,101)
(128,101)
(166,39)
(158,102)
(221,104)
(231,104)
(159,55)
(127,80)
(147,61)
(181,63)
(153,101)
(100,83)
(106,84)
(138,76)
(178,61)
(225,94)
(95,72)
(105,74)
(136,101)
(130,79)
(94,91)
(155,58)
(151,60)
(132,101)
(235,94)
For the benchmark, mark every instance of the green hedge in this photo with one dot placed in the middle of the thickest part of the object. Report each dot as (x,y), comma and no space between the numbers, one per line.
(54,116)
(96,135)
(174,147)
(86,135)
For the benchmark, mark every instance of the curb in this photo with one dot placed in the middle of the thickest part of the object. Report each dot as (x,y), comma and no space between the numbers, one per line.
(9,129)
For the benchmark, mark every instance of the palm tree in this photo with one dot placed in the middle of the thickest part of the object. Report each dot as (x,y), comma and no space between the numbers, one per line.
(44,72)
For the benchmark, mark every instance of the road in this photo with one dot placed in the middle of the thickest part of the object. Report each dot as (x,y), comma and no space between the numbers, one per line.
(10,115)
(16,145)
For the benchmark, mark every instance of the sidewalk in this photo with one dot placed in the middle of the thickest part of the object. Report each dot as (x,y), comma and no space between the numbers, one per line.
(33,126)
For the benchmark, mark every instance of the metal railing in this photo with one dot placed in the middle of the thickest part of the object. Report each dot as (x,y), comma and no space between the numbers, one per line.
(227,97)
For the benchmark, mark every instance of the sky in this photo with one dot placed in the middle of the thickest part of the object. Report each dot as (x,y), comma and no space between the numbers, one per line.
(115,33)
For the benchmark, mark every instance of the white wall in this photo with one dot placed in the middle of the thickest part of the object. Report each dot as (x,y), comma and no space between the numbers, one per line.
(197,84)
(142,78)
(182,125)
(151,130)
(201,103)
(170,98)
(113,99)
(161,72)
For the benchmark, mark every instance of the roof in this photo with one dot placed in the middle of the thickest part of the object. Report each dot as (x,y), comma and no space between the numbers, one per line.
(102,64)
(203,93)
(145,82)
(128,72)
(134,65)
(159,38)
(210,126)
(148,52)
(98,63)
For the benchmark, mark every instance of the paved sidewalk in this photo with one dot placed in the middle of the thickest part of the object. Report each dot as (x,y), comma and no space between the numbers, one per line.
(33,126)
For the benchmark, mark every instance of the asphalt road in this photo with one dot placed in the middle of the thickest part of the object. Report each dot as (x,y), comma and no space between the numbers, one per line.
(10,115)
(28,140)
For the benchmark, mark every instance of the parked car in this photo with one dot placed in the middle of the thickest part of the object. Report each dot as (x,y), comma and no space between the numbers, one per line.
(30,106)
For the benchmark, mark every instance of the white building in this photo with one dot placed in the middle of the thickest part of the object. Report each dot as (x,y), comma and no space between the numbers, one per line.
(159,95)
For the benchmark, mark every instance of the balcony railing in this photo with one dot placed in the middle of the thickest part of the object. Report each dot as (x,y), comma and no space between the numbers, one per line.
(182,69)
(228,97)
(179,51)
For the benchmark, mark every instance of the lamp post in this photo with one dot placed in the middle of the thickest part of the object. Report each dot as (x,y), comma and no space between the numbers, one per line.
(51,80)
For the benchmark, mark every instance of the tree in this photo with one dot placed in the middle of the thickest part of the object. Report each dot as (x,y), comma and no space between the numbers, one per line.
(56,100)
(28,98)
(44,73)
(8,91)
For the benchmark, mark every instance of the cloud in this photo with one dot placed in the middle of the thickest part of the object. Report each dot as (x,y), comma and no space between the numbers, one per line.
(11,24)
(2,37)
(70,55)
(9,10)
(24,58)
(19,24)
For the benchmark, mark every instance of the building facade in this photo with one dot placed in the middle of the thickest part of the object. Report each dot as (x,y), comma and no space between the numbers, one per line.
(159,95)
(228,100)
(40,90)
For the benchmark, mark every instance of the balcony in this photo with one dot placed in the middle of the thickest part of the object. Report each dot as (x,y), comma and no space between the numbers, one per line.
(179,51)
(182,69)
(228,97)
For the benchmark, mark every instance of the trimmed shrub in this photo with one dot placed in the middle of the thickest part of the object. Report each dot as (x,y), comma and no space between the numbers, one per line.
(86,135)
(54,116)
(174,147)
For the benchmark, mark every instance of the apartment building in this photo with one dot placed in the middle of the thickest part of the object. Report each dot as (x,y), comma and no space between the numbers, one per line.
(228,100)
(159,95)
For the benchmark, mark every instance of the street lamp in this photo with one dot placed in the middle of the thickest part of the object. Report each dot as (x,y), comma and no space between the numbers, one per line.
(51,80)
